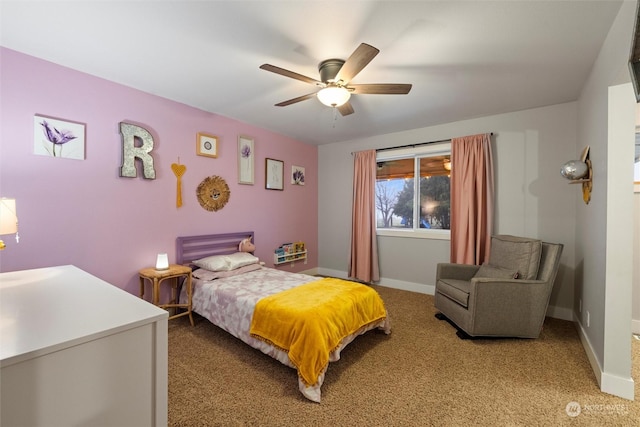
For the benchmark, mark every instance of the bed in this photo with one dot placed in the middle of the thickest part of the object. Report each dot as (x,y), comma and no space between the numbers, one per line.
(237,293)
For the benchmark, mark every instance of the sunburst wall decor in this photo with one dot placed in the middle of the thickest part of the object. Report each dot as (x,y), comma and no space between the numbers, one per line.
(213,193)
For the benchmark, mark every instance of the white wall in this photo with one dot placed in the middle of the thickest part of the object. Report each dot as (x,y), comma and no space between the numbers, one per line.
(606,122)
(532,199)
(635,304)
(635,307)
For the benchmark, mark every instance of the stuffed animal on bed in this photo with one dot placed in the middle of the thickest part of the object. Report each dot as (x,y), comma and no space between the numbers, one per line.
(246,245)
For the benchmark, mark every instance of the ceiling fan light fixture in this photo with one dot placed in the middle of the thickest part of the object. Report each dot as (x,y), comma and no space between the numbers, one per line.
(333,96)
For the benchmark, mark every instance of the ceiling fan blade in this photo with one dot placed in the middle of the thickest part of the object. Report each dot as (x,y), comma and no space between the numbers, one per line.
(294,100)
(291,74)
(356,62)
(380,88)
(345,109)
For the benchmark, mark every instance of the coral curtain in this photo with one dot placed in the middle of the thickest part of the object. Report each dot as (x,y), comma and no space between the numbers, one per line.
(472,199)
(363,264)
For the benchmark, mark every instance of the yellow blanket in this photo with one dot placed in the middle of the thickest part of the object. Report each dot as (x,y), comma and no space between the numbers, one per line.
(310,320)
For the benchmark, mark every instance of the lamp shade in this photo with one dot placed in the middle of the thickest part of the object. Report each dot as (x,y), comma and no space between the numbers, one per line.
(333,96)
(162,262)
(574,169)
(8,217)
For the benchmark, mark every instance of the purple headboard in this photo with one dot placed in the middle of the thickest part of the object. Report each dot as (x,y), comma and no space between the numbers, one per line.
(189,248)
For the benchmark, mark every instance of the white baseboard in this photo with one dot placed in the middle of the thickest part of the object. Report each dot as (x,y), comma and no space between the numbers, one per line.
(618,386)
(420,288)
(612,384)
(561,313)
(333,273)
(310,272)
(635,326)
(388,283)
(591,355)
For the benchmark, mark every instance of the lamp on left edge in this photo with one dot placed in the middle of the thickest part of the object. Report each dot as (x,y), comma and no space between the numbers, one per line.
(8,218)
(162,262)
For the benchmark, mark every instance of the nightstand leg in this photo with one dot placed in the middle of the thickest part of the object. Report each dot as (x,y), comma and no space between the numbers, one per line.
(174,291)
(189,297)
(141,287)
(174,296)
(156,292)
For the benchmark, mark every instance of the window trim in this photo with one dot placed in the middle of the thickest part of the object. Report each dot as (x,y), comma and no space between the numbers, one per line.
(418,233)
(426,150)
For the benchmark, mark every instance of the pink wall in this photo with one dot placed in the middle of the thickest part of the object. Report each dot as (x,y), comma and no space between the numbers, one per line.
(82,212)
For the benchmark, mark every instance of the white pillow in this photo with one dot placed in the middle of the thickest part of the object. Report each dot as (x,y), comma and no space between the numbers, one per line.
(213,263)
(226,262)
(240,259)
(207,275)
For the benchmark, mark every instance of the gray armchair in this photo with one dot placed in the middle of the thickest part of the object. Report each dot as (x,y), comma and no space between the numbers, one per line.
(506,297)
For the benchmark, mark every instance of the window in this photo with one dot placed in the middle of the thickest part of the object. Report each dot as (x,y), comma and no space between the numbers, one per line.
(398,192)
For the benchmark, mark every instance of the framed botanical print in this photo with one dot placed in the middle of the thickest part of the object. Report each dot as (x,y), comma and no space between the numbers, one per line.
(207,145)
(58,138)
(274,174)
(245,160)
(297,175)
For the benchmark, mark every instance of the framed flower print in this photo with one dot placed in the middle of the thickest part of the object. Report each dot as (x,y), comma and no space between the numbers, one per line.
(245,160)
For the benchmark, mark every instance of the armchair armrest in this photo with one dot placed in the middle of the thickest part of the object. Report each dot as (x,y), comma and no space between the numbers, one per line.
(455,271)
(508,307)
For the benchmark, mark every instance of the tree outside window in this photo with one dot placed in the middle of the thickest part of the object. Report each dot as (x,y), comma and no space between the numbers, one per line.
(396,193)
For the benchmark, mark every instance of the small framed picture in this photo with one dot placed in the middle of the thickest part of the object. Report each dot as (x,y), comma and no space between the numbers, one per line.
(297,175)
(274,174)
(245,159)
(207,145)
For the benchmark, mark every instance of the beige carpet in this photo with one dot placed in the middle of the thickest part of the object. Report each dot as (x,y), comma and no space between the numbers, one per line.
(420,375)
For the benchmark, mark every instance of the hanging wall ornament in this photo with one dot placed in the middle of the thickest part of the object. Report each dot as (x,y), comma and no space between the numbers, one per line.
(178,171)
(213,193)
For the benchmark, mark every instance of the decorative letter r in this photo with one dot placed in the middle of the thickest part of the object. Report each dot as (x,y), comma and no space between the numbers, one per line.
(129,133)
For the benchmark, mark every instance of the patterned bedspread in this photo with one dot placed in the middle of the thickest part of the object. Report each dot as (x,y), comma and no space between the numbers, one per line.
(229,303)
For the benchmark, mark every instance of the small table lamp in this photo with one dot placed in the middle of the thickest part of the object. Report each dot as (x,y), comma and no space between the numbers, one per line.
(8,219)
(162,262)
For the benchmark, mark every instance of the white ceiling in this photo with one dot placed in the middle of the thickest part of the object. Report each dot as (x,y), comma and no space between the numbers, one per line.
(464,59)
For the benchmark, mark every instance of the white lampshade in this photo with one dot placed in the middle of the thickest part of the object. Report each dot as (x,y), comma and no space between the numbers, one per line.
(333,96)
(8,216)
(162,262)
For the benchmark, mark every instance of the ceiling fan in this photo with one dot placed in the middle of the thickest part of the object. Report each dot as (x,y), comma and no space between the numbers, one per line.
(335,77)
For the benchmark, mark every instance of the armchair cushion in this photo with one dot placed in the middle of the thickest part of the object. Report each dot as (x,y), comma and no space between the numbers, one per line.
(519,253)
(457,290)
(492,272)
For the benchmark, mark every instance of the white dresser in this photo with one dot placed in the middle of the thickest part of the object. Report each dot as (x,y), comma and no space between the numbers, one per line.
(78,351)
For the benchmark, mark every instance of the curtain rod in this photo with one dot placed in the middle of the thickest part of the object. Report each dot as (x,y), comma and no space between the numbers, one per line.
(415,145)
(412,145)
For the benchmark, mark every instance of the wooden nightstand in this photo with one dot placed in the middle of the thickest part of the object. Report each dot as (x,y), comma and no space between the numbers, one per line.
(156,277)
